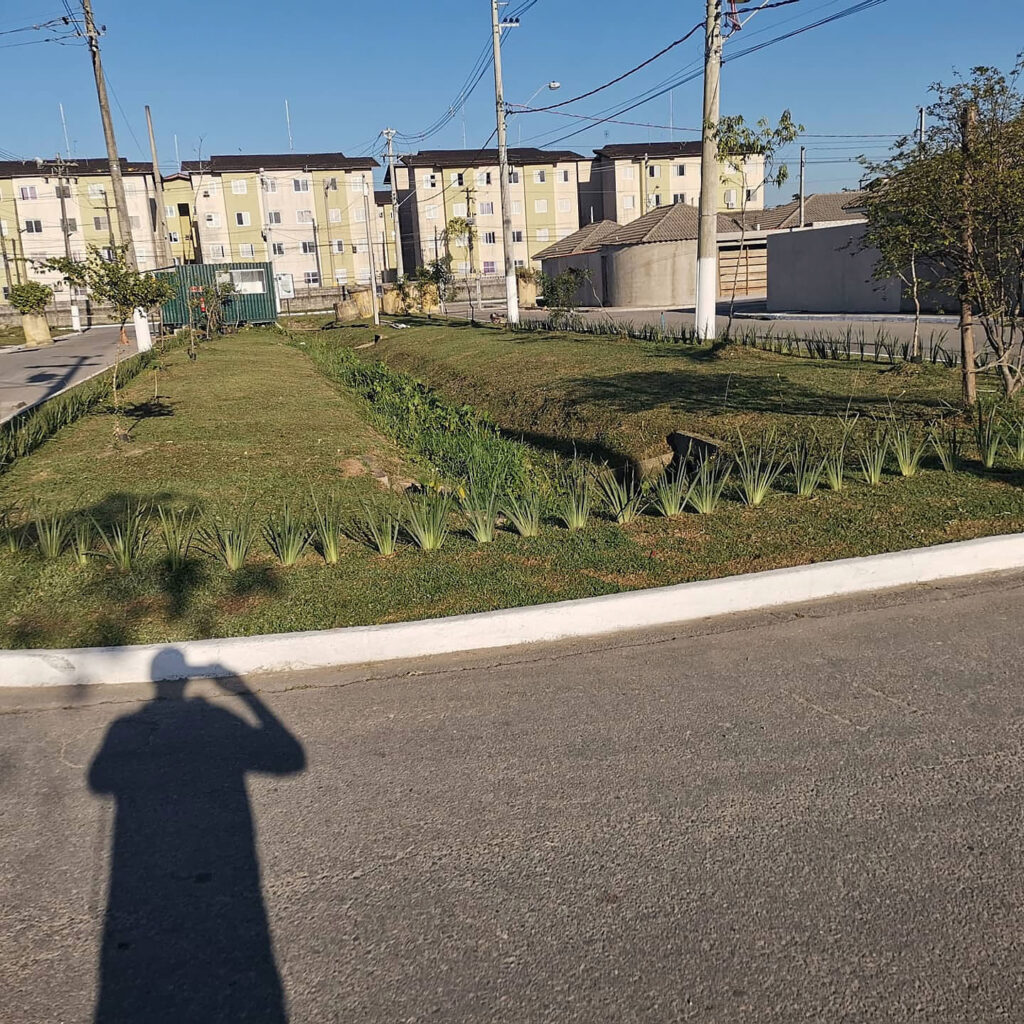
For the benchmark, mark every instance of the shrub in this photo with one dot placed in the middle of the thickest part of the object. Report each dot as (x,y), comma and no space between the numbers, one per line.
(380,529)
(708,483)
(230,538)
(988,433)
(81,541)
(807,465)
(908,449)
(523,512)
(946,443)
(287,536)
(427,519)
(668,493)
(51,534)
(30,297)
(177,530)
(480,507)
(124,540)
(574,494)
(758,469)
(624,497)
(872,457)
(327,530)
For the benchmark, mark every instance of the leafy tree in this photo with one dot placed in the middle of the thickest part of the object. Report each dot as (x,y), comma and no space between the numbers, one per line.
(560,291)
(736,142)
(439,274)
(30,297)
(957,204)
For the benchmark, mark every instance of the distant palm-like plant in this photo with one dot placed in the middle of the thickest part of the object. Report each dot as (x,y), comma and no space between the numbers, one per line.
(872,457)
(908,448)
(230,538)
(523,512)
(574,493)
(287,536)
(625,497)
(327,530)
(833,465)
(479,504)
(668,493)
(379,528)
(177,531)
(807,465)
(426,519)
(51,531)
(708,483)
(758,468)
(124,540)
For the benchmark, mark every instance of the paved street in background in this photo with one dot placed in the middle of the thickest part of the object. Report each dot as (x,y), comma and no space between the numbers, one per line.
(30,375)
(807,816)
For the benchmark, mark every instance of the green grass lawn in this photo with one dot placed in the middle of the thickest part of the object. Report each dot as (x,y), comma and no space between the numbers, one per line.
(12,334)
(620,398)
(252,422)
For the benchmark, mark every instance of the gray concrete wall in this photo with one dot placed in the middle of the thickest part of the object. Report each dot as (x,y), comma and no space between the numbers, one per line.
(591,293)
(660,274)
(824,270)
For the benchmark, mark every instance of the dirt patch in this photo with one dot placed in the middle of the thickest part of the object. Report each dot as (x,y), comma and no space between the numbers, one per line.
(352,467)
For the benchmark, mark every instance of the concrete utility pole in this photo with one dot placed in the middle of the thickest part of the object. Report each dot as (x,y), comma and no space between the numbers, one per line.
(920,128)
(707,239)
(163,248)
(803,184)
(389,134)
(6,260)
(116,181)
(370,251)
(968,121)
(61,168)
(511,287)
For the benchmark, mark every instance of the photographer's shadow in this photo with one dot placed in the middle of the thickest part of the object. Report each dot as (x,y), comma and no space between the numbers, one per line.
(186,936)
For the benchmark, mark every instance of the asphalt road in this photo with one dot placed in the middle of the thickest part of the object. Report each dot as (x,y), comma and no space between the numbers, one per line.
(31,375)
(809,816)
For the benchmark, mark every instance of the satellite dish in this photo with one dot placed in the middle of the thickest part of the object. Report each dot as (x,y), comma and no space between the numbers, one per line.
(39,161)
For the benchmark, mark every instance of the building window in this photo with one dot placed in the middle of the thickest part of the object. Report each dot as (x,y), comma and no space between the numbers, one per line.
(486,209)
(173,236)
(543,234)
(431,213)
(330,184)
(334,216)
(70,225)
(341,276)
(33,227)
(563,176)
(242,219)
(750,195)
(517,236)
(303,216)
(338,246)
(490,267)
(627,172)
(628,202)
(300,184)
(358,247)
(429,181)
(730,198)
(540,206)
(359,214)
(213,220)
(107,254)
(459,210)
(269,184)
(680,170)
(3,229)
(101,224)
(517,207)
(483,177)
(240,187)
(679,197)
(135,222)
(169,212)
(217,251)
(463,266)
(564,206)
(654,200)
(539,177)
(513,177)
(183,210)
(95,192)
(273,216)
(308,248)
(246,251)
(311,277)
(278,248)
(653,171)
(520,263)
(248,282)
(458,179)
(490,238)
(27,192)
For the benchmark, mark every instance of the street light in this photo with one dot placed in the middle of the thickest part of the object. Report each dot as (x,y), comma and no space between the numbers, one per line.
(553,86)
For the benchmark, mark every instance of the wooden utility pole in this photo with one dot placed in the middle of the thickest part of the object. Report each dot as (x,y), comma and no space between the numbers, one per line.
(163,249)
(969,390)
(116,181)
(371,253)
(511,285)
(707,239)
(389,134)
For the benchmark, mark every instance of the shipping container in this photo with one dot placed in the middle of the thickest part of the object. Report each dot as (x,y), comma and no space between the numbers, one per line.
(253,299)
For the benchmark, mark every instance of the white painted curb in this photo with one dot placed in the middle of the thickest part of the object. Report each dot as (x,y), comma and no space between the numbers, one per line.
(595,616)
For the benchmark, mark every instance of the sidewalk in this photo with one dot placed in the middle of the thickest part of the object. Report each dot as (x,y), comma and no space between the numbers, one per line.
(29,376)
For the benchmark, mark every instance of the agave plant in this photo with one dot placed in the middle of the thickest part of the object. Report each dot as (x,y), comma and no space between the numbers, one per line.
(426,519)
(625,497)
(574,495)
(177,531)
(523,512)
(80,541)
(12,530)
(946,444)
(668,493)
(908,449)
(287,536)
(833,465)
(872,457)
(51,530)
(479,503)
(988,433)
(708,483)
(1013,436)
(758,469)
(124,540)
(327,530)
(807,466)
(380,528)
(230,538)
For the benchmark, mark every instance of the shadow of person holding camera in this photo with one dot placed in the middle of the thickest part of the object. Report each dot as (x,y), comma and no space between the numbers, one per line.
(186,936)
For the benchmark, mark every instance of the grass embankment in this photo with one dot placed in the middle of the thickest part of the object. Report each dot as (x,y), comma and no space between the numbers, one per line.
(619,398)
(12,334)
(253,421)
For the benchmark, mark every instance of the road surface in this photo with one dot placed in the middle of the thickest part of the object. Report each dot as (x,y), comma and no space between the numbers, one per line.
(31,375)
(807,816)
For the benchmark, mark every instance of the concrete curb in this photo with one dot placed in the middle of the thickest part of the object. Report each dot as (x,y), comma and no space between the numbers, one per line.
(589,617)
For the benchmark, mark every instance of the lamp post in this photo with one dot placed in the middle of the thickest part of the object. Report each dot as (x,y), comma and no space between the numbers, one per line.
(553,86)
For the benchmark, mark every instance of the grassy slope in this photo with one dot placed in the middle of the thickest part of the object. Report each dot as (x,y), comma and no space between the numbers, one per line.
(252,417)
(622,397)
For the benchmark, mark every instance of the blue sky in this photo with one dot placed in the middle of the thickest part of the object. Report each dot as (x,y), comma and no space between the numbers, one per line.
(216,73)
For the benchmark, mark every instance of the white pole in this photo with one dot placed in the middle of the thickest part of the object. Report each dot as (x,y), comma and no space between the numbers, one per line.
(707,240)
(511,287)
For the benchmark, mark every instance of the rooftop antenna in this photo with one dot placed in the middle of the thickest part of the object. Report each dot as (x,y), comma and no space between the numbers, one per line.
(64,125)
(177,155)
(288,121)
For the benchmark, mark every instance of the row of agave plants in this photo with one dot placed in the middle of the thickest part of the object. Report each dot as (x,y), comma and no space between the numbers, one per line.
(483,505)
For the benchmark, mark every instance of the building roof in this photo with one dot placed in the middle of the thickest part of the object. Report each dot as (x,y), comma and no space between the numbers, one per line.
(517,157)
(819,208)
(638,150)
(280,162)
(75,168)
(587,239)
